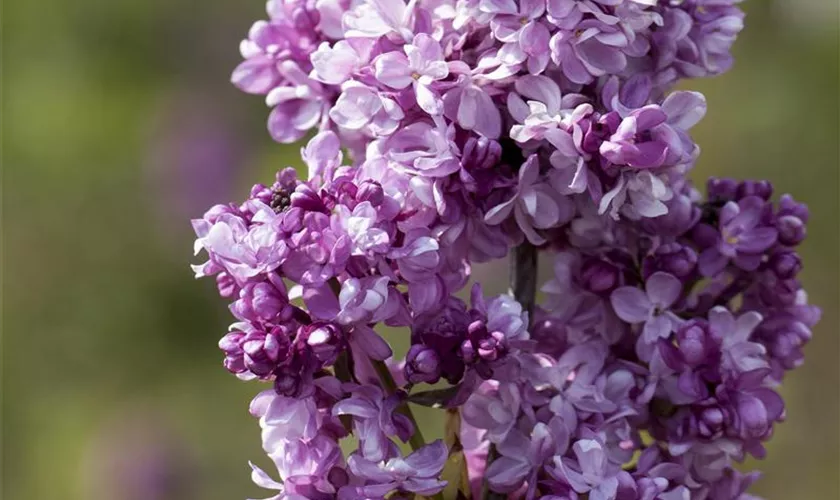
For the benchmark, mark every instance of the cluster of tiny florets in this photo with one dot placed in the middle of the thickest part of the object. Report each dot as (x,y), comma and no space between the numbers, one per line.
(449,132)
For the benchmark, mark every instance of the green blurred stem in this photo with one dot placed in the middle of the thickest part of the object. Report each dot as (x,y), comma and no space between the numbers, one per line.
(523,287)
(344,374)
(523,276)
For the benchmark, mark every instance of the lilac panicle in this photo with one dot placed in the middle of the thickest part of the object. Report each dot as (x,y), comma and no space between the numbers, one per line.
(443,134)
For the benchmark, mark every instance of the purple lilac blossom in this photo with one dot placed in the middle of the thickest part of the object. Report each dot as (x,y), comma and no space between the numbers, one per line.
(447,133)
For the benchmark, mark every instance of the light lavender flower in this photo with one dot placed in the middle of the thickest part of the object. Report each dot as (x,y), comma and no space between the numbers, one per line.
(590,471)
(420,67)
(651,307)
(417,473)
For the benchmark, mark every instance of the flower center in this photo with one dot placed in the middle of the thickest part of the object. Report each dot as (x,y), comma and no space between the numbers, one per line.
(280,200)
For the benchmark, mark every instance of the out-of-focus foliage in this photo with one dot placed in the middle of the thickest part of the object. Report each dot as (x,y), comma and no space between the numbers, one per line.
(119,125)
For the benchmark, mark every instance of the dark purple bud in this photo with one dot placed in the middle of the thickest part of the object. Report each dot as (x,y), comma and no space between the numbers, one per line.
(672,258)
(444,329)
(599,276)
(785,265)
(710,422)
(492,347)
(789,206)
(550,335)
(422,364)
(705,235)
(791,230)
(780,293)
(762,189)
(307,199)
(694,346)
(721,190)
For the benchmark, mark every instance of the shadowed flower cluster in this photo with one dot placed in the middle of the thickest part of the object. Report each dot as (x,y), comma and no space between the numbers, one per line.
(447,133)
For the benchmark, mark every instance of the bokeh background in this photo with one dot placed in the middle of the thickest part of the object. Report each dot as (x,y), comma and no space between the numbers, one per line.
(120,125)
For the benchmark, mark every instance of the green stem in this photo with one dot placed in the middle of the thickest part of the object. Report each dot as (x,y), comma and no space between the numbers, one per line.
(344,374)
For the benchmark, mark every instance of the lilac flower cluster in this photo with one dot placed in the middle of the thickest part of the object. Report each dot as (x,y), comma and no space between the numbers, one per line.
(454,132)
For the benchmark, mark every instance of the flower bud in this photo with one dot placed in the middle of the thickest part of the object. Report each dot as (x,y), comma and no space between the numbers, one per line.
(722,190)
(791,230)
(762,189)
(263,301)
(264,351)
(785,265)
(672,258)
(711,422)
(422,364)
(230,344)
(324,339)
(598,276)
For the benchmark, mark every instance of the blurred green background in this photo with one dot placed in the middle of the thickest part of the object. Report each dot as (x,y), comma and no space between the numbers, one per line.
(120,125)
